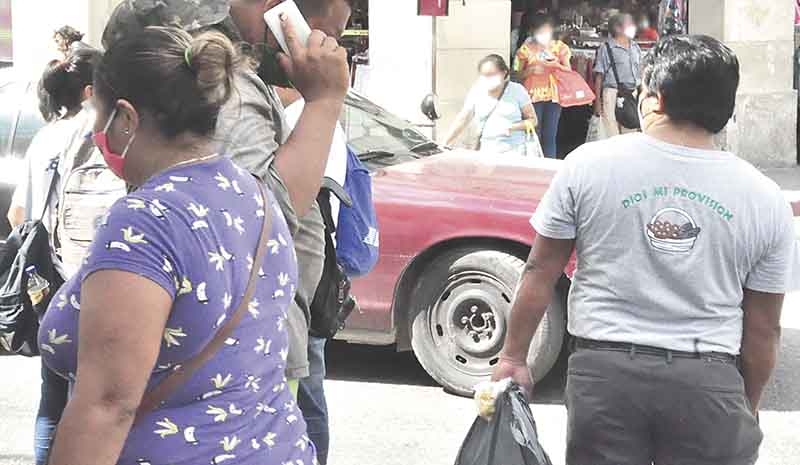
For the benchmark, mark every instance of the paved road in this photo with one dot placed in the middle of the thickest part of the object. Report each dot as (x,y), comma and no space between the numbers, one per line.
(387,411)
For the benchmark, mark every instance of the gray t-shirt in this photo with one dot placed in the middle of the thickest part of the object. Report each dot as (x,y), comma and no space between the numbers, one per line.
(251,128)
(667,238)
(628,61)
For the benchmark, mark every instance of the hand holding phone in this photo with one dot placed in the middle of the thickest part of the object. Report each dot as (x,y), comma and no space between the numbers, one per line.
(293,16)
(316,65)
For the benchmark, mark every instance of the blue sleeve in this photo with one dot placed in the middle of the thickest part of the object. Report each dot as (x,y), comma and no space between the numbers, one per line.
(601,63)
(520,95)
(136,237)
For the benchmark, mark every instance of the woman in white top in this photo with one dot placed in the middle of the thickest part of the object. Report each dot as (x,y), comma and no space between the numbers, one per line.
(63,90)
(502,110)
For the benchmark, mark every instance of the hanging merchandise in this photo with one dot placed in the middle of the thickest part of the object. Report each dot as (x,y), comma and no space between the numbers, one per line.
(672,17)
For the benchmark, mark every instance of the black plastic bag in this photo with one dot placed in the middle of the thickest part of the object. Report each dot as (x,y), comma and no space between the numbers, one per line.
(509,438)
(28,244)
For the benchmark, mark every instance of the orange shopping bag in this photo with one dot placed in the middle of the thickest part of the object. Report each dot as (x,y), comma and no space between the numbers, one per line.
(573,90)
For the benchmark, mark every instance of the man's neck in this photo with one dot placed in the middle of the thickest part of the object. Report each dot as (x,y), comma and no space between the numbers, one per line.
(685,135)
(623,41)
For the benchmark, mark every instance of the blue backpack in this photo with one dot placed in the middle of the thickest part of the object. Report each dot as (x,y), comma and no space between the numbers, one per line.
(357,234)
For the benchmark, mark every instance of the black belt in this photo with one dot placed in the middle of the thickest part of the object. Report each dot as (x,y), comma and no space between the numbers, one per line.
(581,343)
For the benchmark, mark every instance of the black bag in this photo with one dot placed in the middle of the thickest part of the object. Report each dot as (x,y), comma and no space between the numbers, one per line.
(627,106)
(28,244)
(332,303)
(509,438)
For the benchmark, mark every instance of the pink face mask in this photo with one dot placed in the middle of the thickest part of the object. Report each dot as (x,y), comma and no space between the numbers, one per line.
(115,162)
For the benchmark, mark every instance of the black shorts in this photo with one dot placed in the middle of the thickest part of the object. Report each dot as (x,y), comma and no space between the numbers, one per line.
(640,409)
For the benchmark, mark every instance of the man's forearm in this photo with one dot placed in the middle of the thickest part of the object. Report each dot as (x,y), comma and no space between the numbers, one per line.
(759,357)
(529,307)
(301,161)
(91,433)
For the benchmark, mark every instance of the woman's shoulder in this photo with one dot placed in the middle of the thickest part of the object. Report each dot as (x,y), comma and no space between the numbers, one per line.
(517,88)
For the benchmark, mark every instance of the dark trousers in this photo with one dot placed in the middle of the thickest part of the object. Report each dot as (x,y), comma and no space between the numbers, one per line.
(627,408)
(51,406)
(548,114)
(311,399)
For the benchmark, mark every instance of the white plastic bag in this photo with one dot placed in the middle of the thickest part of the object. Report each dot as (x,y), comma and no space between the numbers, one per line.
(597,130)
(533,148)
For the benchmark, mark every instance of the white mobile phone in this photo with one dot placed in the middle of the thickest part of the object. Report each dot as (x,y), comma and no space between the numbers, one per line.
(295,18)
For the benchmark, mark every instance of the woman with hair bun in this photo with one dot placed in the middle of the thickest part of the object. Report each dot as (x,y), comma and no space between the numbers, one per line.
(182,301)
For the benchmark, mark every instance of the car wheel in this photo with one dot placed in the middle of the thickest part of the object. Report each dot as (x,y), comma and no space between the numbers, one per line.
(460,308)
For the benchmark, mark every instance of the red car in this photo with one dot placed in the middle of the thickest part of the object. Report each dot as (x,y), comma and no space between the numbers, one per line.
(455,234)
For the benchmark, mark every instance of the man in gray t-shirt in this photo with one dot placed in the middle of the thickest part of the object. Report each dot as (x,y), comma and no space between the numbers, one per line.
(683,258)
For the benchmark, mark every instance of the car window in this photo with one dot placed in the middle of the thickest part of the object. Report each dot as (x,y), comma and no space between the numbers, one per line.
(29,123)
(10,95)
(380,138)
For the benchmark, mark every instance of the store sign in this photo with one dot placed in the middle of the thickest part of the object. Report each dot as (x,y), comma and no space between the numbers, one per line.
(432,7)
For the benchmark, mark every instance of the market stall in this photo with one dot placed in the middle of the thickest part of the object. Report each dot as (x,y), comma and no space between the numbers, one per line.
(583,26)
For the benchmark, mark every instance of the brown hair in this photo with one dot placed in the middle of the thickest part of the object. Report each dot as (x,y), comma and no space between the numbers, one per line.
(183,81)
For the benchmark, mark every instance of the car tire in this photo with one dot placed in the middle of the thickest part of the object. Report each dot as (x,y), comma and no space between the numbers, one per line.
(460,307)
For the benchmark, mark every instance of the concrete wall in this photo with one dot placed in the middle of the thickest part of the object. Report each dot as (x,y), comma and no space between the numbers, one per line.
(764,128)
(401,58)
(470,33)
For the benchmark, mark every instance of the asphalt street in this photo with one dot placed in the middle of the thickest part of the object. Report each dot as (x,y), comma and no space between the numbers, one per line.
(387,411)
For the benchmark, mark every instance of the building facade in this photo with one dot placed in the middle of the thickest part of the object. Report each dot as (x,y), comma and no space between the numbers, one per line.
(412,56)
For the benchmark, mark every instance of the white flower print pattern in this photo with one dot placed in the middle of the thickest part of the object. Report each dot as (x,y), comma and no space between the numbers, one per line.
(192,230)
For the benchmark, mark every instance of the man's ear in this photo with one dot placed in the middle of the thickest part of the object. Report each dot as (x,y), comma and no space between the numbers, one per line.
(88,92)
(661,107)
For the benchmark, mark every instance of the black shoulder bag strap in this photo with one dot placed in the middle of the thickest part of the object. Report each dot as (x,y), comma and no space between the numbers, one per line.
(486,121)
(613,65)
(50,190)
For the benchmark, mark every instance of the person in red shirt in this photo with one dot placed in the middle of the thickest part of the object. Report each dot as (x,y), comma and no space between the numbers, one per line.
(646,29)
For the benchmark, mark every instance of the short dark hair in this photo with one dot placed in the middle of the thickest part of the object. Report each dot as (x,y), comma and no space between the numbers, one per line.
(317,8)
(496,60)
(539,21)
(65,81)
(70,34)
(181,80)
(697,77)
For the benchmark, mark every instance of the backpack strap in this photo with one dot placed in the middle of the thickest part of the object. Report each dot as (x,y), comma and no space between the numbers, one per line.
(162,391)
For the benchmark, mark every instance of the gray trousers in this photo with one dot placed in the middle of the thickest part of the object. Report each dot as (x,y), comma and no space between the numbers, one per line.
(634,409)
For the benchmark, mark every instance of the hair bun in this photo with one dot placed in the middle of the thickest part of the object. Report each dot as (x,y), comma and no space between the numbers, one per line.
(213,59)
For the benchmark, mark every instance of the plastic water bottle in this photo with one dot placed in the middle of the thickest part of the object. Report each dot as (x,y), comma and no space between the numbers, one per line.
(38,287)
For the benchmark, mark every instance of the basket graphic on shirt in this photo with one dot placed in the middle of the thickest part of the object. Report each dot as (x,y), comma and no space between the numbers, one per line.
(672,230)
